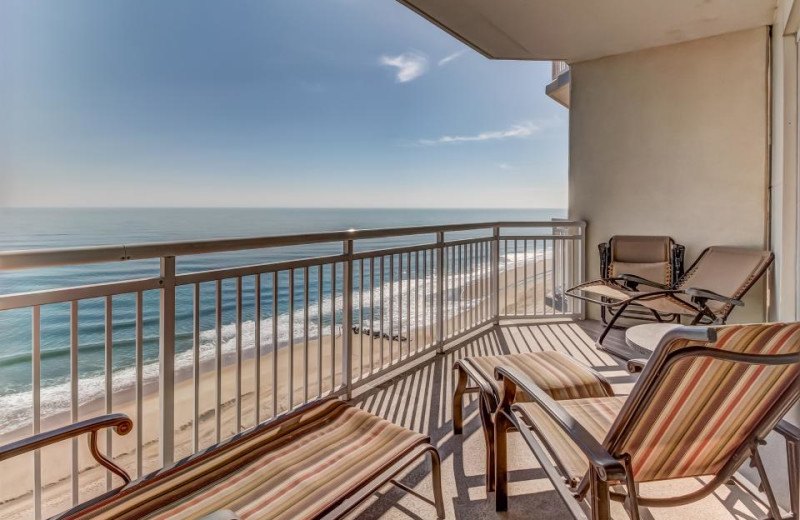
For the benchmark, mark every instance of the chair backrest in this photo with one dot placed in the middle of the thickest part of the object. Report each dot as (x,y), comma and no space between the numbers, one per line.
(699,407)
(650,257)
(729,271)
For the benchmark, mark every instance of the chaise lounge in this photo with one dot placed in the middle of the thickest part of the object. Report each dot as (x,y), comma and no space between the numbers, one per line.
(317,462)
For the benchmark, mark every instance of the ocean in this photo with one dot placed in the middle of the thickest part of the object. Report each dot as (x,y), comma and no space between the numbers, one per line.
(54,228)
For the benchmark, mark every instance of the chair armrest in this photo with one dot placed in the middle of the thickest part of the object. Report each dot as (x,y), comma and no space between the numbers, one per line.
(608,467)
(121,424)
(636,365)
(638,280)
(703,295)
(789,431)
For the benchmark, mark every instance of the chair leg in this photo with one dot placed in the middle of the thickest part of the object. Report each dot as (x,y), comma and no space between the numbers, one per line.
(793,459)
(436,475)
(601,500)
(458,401)
(611,322)
(488,435)
(501,427)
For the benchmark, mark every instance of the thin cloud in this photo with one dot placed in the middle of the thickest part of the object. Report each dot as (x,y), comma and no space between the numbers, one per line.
(504,166)
(519,131)
(448,59)
(409,65)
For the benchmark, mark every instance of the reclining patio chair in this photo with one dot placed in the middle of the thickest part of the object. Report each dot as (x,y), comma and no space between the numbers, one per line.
(319,461)
(703,405)
(707,293)
(655,258)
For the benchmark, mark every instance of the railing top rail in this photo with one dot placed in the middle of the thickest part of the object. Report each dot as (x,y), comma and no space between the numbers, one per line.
(31,259)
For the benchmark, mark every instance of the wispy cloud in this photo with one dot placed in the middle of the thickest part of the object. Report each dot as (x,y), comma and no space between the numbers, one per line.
(504,166)
(409,65)
(518,131)
(448,59)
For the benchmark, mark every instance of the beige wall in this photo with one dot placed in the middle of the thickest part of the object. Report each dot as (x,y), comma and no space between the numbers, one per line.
(673,141)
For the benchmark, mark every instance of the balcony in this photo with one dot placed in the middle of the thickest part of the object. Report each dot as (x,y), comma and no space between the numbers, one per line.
(379,326)
(558,88)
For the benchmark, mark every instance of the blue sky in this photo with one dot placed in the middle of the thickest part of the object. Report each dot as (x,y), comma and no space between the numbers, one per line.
(330,103)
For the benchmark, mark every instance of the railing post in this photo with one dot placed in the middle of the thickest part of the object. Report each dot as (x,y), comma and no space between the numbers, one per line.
(347,318)
(496,274)
(166,361)
(440,292)
(582,264)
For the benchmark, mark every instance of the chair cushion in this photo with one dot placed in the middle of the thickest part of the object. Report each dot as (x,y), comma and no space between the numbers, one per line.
(596,415)
(659,272)
(291,472)
(561,376)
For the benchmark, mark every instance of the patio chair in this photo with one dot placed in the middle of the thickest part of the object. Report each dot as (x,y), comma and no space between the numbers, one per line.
(707,293)
(319,461)
(703,405)
(557,374)
(655,258)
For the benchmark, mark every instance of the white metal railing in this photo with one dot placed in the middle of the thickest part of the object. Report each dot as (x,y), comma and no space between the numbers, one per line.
(559,67)
(319,326)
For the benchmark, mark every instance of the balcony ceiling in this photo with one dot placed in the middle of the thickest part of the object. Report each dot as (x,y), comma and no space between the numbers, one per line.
(576,30)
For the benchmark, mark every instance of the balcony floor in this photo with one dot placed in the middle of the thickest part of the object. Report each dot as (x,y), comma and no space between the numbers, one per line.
(421,399)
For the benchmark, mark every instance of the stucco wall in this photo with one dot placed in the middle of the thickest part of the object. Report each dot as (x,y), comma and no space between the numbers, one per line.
(673,141)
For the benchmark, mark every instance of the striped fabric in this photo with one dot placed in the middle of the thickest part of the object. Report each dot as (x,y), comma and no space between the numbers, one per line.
(596,415)
(291,472)
(693,420)
(706,408)
(557,374)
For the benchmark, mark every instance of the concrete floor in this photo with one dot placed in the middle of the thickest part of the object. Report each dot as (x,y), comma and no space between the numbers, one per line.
(421,399)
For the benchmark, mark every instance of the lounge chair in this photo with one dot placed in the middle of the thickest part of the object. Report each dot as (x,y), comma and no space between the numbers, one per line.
(559,375)
(655,258)
(707,293)
(319,461)
(703,405)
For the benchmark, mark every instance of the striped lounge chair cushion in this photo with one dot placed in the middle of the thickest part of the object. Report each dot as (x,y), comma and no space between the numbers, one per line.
(704,408)
(296,470)
(596,415)
(561,376)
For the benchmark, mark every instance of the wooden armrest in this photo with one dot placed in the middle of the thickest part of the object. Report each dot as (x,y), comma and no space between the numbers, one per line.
(121,424)
(608,467)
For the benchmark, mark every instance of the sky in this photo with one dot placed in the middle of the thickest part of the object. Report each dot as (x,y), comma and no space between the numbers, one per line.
(261,103)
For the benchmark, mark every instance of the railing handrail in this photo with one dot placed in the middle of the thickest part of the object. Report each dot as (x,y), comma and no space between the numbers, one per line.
(59,257)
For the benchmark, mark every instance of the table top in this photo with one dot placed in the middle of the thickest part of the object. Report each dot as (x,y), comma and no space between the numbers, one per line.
(644,338)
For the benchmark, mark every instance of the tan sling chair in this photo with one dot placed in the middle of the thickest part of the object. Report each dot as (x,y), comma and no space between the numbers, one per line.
(319,461)
(655,258)
(707,293)
(703,405)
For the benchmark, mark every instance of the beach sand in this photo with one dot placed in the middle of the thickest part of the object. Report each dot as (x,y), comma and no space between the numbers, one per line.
(16,475)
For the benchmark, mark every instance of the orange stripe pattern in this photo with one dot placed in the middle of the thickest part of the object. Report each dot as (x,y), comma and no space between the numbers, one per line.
(292,472)
(561,376)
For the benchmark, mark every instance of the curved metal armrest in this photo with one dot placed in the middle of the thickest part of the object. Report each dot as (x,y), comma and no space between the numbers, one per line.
(789,431)
(638,280)
(703,295)
(608,467)
(120,422)
(636,365)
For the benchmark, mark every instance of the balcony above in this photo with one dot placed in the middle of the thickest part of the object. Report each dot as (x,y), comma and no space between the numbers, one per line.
(577,30)
(558,88)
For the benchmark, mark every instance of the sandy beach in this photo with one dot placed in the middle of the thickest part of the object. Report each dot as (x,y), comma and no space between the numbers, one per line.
(16,476)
